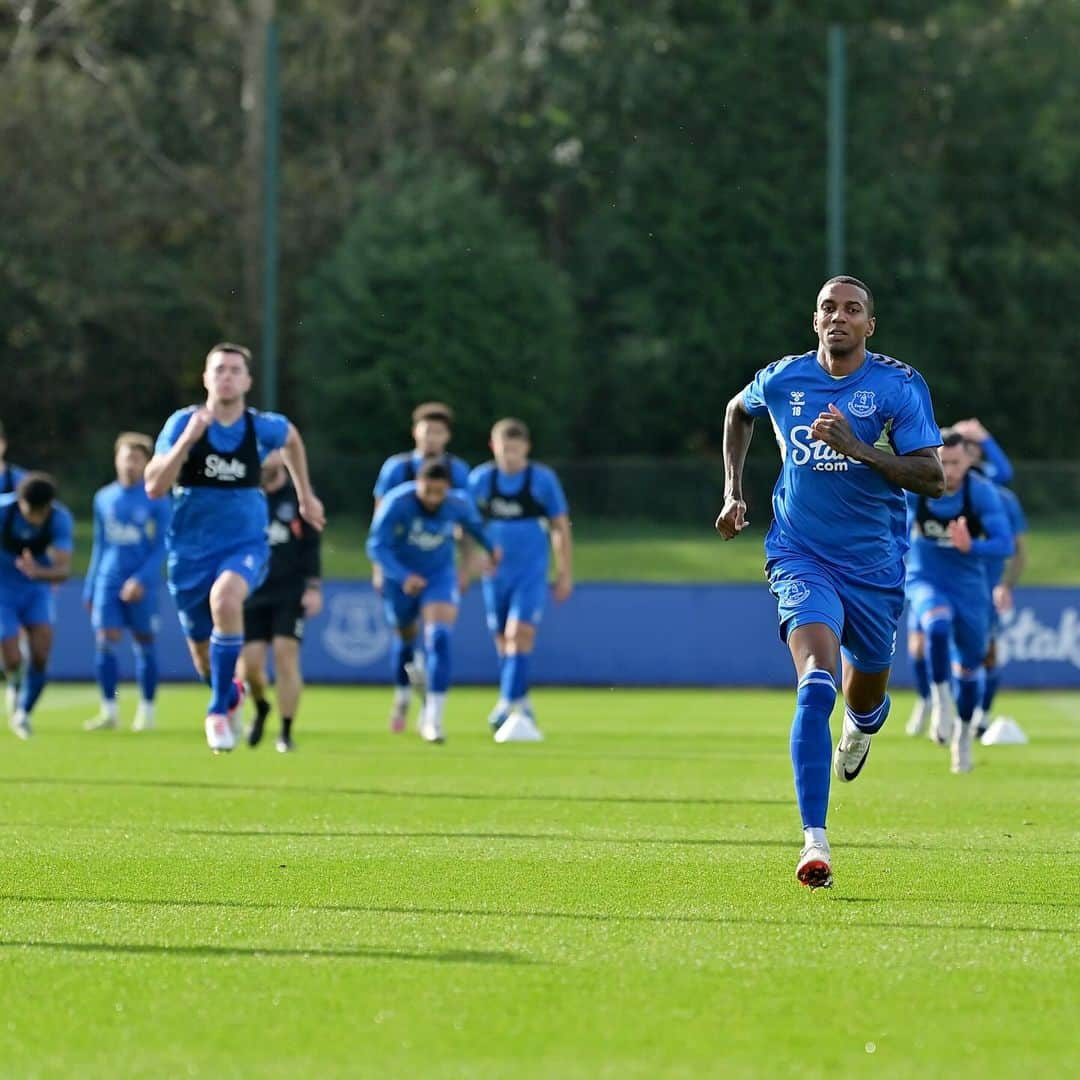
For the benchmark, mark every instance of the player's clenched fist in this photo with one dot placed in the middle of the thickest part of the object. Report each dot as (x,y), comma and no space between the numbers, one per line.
(197,424)
(833,429)
(732,519)
(311,510)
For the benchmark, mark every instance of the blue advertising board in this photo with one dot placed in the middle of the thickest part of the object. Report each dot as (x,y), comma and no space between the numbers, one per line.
(605,635)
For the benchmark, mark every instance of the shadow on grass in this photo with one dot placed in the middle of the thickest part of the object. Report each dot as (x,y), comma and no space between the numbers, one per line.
(482,913)
(448,956)
(386,793)
(562,838)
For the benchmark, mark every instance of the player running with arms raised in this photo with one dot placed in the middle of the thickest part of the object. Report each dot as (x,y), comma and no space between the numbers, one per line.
(211,456)
(855,430)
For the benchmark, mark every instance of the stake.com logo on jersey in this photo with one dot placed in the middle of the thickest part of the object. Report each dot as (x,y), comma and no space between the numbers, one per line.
(804,449)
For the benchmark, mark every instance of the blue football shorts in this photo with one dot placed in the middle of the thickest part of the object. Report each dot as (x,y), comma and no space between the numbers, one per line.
(521,596)
(863,617)
(969,619)
(403,611)
(109,612)
(31,604)
(190,582)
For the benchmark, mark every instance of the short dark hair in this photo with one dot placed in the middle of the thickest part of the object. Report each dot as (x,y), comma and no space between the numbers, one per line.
(231,346)
(510,427)
(137,441)
(36,488)
(2,433)
(433,410)
(953,438)
(433,469)
(847,279)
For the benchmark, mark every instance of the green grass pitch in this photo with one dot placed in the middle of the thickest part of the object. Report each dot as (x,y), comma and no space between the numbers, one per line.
(618,901)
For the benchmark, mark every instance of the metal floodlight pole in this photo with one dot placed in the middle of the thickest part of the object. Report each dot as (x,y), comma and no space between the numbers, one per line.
(268,375)
(835,203)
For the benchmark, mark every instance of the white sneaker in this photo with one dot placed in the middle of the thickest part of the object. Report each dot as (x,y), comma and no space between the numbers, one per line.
(431,730)
(815,867)
(103,721)
(498,716)
(219,733)
(417,674)
(942,722)
(961,749)
(235,715)
(851,751)
(917,724)
(11,699)
(144,717)
(20,724)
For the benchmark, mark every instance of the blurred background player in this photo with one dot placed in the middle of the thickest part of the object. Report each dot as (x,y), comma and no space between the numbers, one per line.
(121,587)
(1002,576)
(986,453)
(432,429)
(211,457)
(522,502)
(951,536)
(274,614)
(10,475)
(36,542)
(834,553)
(412,541)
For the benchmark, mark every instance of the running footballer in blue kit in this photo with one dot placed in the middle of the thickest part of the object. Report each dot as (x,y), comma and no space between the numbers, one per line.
(121,585)
(986,452)
(211,458)
(527,514)
(1002,576)
(412,542)
(855,429)
(36,541)
(432,429)
(948,589)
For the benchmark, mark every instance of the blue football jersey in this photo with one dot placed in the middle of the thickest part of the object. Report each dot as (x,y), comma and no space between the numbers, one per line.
(826,505)
(406,538)
(934,561)
(402,468)
(129,537)
(59,529)
(208,521)
(518,509)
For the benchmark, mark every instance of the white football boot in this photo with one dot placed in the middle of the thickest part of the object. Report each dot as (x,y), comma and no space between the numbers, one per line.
(105,720)
(219,733)
(916,725)
(815,867)
(851,751)
(20,724)
(942,720)
(431,729)
(961,749)
(144,717)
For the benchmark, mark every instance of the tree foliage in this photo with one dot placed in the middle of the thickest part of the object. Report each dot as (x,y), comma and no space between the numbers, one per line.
(624,200)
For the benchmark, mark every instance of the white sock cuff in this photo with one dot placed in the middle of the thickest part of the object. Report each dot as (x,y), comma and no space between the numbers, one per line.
(818,675)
